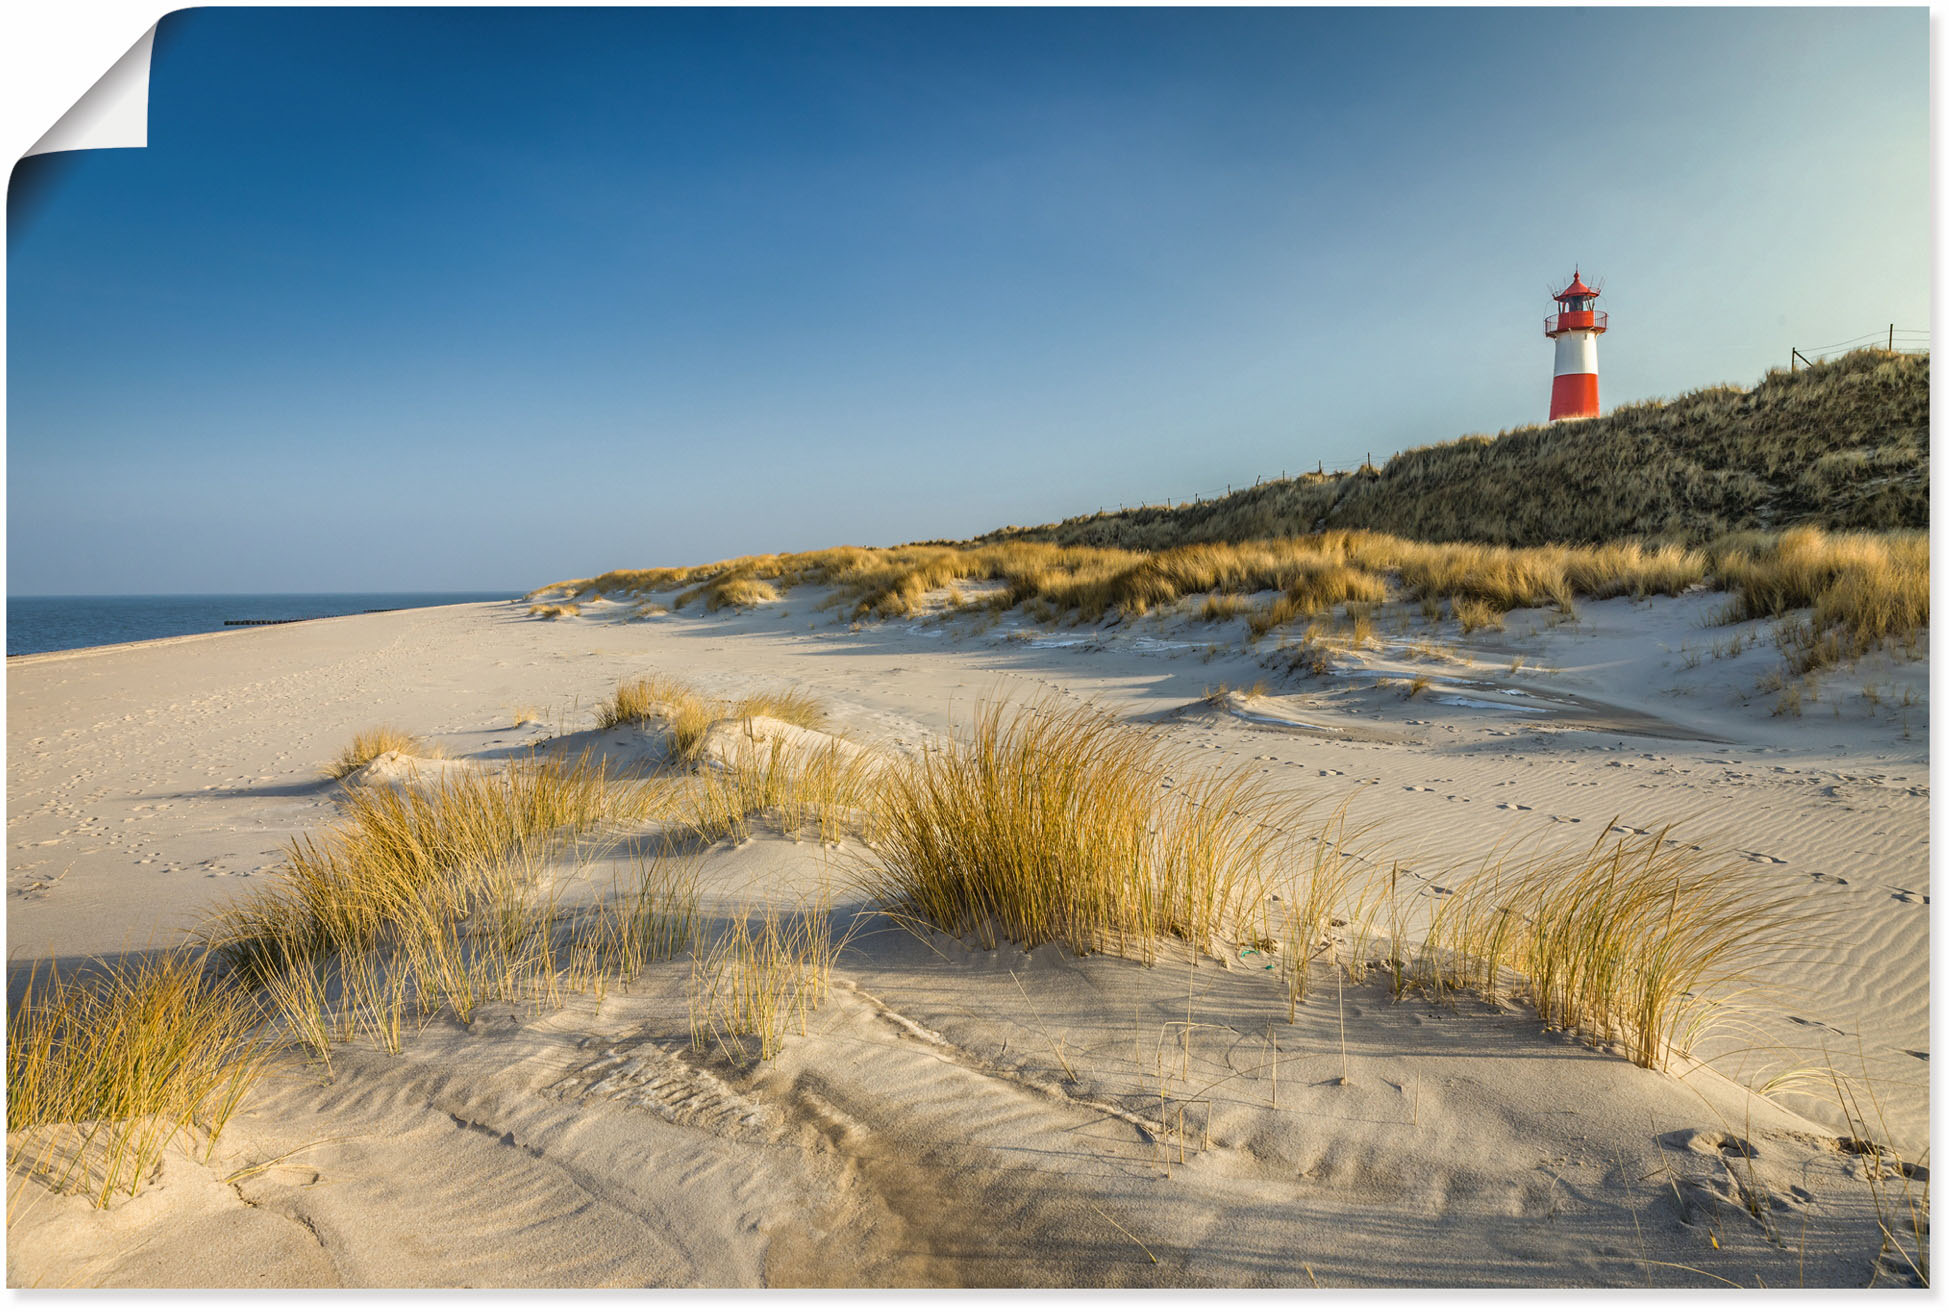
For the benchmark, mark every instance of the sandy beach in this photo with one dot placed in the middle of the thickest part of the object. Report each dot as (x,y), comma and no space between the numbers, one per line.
(967,1117)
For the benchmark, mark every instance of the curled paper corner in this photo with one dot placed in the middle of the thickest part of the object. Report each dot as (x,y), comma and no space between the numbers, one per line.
(113,113)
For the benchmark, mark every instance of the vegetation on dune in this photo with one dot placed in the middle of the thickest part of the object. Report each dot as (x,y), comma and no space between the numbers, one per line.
(688,715)
(735,589)
(115,1063)
(827,791)
(1043,826)
(421,857)
(1867,588)
(1316,574)
(1841,445)
(369,744)
(1862,589)
(767,971)
(1635,940)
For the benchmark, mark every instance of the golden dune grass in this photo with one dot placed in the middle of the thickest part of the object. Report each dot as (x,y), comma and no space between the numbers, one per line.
(827,791)
(1050,825)
(110,1065)
(737,589)
(1045,825)
(431,899)
(1866,589)
(1038,825)
(371,743)
(688,714)
(1861,590)
(1313,574)
(1655,498)
(1636,940)
(413,855)
(1473,615)
(761,977)
(653,698)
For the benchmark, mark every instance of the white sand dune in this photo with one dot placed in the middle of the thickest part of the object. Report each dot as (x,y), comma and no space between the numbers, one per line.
(955,1116)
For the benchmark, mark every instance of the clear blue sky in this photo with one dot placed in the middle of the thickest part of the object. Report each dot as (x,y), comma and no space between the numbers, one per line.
(485,298)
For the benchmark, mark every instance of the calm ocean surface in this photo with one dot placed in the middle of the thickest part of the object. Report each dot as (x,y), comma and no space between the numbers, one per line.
(37,624)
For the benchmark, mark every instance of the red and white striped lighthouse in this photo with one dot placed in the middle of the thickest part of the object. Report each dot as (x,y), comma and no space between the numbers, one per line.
(1573,395)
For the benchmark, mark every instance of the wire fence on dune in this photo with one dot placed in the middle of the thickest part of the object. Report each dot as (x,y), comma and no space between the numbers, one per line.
(1901,341)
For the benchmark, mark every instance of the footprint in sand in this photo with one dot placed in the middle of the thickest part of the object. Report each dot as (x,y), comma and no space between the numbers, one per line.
(1764,859)
(1456,797)
(1513,806)
(1628,829)
(1567,819)
(1327,772)
(1910,895)
(1417,788)
(1816,1024)
(1828,879)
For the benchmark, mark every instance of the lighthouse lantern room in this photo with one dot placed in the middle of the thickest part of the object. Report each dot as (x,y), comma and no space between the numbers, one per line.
(1574,328)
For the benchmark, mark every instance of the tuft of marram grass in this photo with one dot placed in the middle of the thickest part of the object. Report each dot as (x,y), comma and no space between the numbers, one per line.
(1861,591)
(656,698)
(1056,825)
(1635,940)
(736,589)
(1473,615)
(439,898)
(767,972)
(419,855)
(688,714)
(826,790)
(372,743)
(108,1066)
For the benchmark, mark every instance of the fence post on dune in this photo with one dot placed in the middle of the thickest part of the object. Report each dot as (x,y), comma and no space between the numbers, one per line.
(1891,339)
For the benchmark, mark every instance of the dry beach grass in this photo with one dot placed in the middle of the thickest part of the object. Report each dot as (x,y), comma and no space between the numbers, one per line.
(113,1062)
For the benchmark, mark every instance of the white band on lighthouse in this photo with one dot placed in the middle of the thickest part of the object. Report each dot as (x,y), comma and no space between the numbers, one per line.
(1576,353)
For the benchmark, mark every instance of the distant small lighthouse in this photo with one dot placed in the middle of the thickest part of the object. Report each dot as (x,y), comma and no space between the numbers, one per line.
(1573,394)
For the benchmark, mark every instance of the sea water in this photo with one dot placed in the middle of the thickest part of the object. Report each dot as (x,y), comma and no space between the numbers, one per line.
(37,624)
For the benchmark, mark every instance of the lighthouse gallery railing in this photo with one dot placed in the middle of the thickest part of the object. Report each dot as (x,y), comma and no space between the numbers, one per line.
(1571,321)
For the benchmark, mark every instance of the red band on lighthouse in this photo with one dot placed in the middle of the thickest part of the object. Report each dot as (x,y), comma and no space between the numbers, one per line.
(1573,396)
(1573,392)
